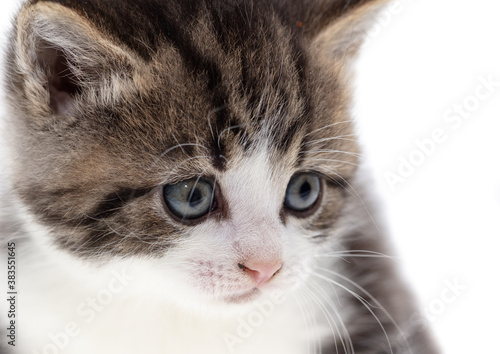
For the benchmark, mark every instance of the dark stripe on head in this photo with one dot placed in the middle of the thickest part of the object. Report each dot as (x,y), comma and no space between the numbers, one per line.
(290,135)
(202,65)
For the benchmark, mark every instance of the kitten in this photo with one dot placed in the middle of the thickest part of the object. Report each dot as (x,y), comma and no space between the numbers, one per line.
(185,180)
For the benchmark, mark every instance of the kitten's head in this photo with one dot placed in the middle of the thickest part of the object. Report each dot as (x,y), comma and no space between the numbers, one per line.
(211,138)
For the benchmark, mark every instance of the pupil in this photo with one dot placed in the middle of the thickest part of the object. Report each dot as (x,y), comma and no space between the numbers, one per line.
(195,197)
(305,191)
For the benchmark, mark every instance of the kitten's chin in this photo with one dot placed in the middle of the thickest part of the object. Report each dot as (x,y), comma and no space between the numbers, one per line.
(243,298)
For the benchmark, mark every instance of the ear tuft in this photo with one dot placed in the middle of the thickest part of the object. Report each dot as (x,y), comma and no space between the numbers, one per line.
(62,83)
(60,54)
(344,32)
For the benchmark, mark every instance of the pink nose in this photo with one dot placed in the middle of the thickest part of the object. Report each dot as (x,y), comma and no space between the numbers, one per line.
(261,272)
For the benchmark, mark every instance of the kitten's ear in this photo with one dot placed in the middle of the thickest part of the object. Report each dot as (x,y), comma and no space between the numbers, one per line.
(60,55)
(338,28)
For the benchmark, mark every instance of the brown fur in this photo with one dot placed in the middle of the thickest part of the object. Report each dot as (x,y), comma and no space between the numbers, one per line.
(130,107)
(160,92)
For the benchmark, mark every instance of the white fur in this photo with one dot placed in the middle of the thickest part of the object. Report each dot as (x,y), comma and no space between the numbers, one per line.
(176,304)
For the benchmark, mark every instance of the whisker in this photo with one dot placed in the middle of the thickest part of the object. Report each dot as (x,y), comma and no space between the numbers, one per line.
(333,151)
(327,315)
(340,137)
(377,303)
(329,301)
(363,301)
(300,303)
(226,130)
(163,154)
(333,160)
(170,149)
(355,195)
(166,180)
(328,126)
(178,143)
(209,115)
(356,254)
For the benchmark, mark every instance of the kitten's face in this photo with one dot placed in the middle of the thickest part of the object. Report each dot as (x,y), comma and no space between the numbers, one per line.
(219,154)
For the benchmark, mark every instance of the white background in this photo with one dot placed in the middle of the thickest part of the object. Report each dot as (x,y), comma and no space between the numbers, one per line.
(423,59)
(427,57)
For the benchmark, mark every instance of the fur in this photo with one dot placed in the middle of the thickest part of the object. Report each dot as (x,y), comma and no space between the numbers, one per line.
(110,101)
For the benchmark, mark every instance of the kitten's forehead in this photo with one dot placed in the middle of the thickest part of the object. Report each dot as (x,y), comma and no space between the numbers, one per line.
(209,72)
(256,94)
(218,99)
(212,79)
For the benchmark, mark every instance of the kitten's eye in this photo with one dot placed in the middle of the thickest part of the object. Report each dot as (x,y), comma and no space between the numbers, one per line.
(189,199)
(303,192)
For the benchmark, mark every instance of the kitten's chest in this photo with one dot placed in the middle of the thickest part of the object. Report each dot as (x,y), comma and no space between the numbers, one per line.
(109,319)
(248,334)
(116,330)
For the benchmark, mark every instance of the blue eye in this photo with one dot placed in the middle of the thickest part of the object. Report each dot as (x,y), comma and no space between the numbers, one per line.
(189,199)
(303,192)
